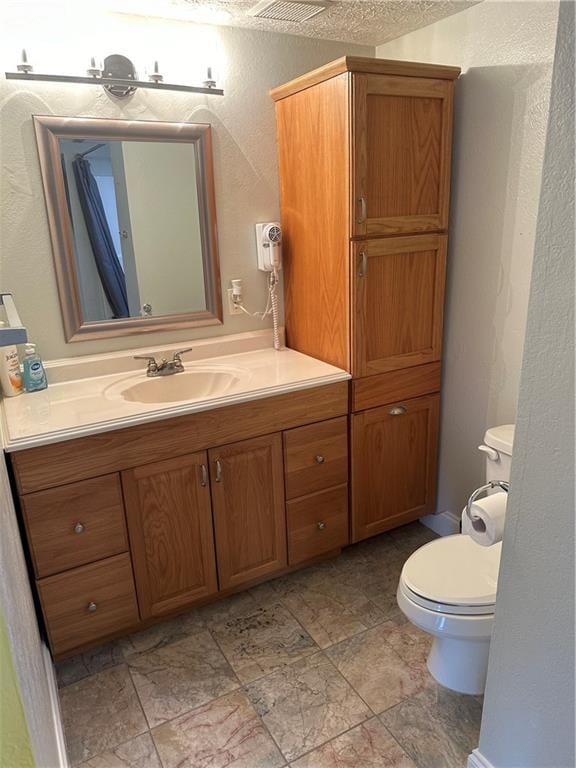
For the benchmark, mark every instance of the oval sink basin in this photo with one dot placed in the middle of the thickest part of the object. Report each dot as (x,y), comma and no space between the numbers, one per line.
(194,384)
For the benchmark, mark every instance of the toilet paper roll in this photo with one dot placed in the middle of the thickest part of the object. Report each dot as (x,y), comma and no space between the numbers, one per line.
(489,529)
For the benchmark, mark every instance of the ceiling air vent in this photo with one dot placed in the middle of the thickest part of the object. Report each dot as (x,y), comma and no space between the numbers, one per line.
(288,10)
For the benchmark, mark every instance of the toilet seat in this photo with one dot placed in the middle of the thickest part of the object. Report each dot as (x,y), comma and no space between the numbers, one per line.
(453,575)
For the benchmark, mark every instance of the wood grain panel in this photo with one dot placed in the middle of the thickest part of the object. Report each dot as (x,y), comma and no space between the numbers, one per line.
(404,69)
(394,460)
(402,135)
(316,457)
(170,524)
(66,462)
(373,391)
(314,168)
(317,523)
(249,515)
(65,598)
(75,524)
(398,302)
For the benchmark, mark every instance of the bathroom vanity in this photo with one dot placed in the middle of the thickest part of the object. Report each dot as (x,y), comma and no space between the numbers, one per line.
(127,524)
(141,497)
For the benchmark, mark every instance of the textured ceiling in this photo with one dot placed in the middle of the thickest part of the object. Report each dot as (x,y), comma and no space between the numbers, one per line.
(367,22)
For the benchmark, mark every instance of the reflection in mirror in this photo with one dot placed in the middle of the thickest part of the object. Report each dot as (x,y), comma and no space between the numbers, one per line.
(134,212)
(134,234)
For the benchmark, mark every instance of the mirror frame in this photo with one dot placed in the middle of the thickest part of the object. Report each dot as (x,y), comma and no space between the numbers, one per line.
(49,129)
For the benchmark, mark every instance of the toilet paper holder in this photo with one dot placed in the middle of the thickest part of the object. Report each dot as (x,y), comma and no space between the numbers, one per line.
(474,519)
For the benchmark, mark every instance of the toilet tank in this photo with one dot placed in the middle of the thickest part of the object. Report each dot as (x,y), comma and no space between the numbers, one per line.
(497,447)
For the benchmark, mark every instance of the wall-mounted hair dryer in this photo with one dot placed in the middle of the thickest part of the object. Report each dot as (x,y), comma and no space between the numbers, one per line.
(269,246)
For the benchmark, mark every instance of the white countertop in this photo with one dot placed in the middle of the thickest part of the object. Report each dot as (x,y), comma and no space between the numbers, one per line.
(92,404)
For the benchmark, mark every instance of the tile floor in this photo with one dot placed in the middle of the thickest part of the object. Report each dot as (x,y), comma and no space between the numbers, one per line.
(317,669)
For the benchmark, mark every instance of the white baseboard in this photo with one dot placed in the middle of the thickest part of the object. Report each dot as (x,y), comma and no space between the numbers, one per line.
(55,706)
(443,523)
(477,760)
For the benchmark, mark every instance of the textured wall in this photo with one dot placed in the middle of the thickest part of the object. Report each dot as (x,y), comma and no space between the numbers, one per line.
(24,641)
(249,64)
(528,717)
(506,52)
(15,749)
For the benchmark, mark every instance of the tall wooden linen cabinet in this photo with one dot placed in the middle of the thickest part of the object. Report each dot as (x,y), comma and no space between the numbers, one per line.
(364,159)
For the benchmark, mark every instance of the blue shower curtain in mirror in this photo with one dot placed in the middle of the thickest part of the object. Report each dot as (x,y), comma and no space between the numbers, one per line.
(107,262)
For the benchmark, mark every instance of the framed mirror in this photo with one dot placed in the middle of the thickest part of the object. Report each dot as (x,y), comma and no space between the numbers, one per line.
(132,219)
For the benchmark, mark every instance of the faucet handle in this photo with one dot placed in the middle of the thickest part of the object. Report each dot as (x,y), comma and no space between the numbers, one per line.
(178,355)
(152,364)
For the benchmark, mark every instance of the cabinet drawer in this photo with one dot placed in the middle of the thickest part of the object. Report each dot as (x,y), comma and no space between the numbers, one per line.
(75,524)
(384,388)
(86,604)
(317,524)
(316,457)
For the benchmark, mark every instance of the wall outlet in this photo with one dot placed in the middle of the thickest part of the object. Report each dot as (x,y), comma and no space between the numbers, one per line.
(232,308)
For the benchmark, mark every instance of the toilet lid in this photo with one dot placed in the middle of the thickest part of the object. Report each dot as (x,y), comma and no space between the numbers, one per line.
(454,570)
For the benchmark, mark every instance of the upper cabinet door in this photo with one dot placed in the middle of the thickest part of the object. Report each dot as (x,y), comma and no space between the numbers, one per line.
(402,136)
(398,302)
(170,525)
(249,514)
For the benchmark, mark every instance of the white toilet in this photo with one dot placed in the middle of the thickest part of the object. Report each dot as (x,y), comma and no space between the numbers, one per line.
(448,589)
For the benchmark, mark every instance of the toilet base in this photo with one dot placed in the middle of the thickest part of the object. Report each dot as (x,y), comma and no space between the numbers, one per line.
(460,665)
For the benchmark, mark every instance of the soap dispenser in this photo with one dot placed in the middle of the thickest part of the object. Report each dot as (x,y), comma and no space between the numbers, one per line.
(34,373)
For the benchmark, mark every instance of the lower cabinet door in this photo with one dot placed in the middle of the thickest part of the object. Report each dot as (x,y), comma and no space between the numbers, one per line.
(171,537)
(249,515)
(394,465)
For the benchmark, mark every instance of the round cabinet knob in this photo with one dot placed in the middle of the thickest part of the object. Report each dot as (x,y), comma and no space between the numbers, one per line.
(79,528)
(92,607)
(319,459)
(397,410)
(321,526)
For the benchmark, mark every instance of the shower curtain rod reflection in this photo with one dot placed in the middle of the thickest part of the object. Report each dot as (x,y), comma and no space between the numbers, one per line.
(92,149)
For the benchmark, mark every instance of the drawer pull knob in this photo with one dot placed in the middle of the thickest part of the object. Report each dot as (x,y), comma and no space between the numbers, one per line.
(319,459)
(92,607)
(79,528)
(321,526)
(398,410)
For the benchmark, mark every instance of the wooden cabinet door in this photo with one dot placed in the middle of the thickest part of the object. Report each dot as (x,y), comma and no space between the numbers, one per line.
(402,137)
(398,302)
(249,514)
(394,458)
(171,536)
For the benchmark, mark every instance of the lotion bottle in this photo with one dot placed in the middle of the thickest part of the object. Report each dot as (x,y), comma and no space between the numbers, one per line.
(10,375)
(34,373)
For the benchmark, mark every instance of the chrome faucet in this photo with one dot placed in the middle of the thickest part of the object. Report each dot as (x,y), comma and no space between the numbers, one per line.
(164,367)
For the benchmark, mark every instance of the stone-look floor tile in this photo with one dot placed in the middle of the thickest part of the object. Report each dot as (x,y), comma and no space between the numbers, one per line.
(225,733)
(412,536)
(374,569)
(262,640)
(180,676)
(437,728)
(332,610)
(89,662)
(306,704)
(369,745)
(99,713)
(410,643)
(159,635)
(186,624)
(136,753)
(376,671)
